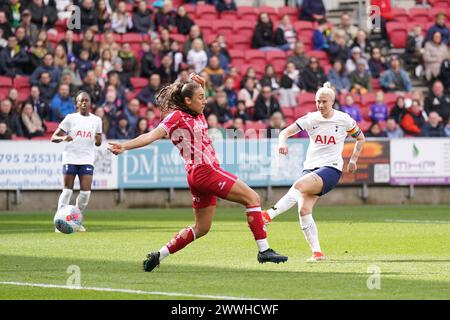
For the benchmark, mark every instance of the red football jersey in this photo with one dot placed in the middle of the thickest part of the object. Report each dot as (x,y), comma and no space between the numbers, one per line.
(190,135)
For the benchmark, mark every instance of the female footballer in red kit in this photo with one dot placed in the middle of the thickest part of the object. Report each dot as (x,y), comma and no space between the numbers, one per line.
(187,128)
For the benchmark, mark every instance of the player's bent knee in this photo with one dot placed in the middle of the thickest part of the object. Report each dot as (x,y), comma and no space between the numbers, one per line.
(305,210)
(201,231)
(253,199)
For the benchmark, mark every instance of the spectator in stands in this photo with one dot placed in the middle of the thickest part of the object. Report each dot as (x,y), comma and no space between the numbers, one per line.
(13,96)
(152,119)
(110,43)
(13,59)
(360,79)
(414,49)
(84,64)
(215,50)
(298,57)
(177,56)
(249,93)
(210,92)
(236,131)
(433,128)
(5,26)
(100,112)
(141,127)
(215,132)
(122,131)
(413,121)
(438,101)
(392,129)
(66,78)
(60,57)
(121,20)
(46,87)
(123,77)
(104,15)
(351,108)
(263,35)
(270,78)
(313,77)
(12,11)
(165,16)
(266,104)
(5,133)
(166,41)
(10,117)
(285,34)
(276,124)
(377,63)
(379,110)
(375,131)
(62,104)
(289,86)
(241,111)
(220,38)
(91,86)
(42,15)
(338,78)
(352,63)
(361,42)
(32,123)
(148,63)
(47,66)
(219,107)
(215,72)
(226,5)
(444,73)
(182,21)
(71,68)
(166,71)
(250,73)
(439,26)
(88,16)
(71,47)
(31,31)
(348,29)
(132,112)
(89,43)
(148,93)
(399,109)
(194,33)
(142,19)
(115,80)
(435,52)
(230,92)
(312,10)
(395,78)
(40,106)
(22,40)
(321,36)
(130,63)
(197,56)
(105,62)
(338,48)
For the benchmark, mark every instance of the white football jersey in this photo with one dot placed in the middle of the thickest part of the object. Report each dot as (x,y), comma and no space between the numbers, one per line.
(326,138)
(82,129)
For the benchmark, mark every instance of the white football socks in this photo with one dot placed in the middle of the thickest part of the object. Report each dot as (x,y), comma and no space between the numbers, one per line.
(309,229)
(284,204)
(82,200)
(64,198)
(163,253)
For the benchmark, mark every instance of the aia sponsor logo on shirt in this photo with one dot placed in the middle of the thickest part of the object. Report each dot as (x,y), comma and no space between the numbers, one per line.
(325,139)
(83,134)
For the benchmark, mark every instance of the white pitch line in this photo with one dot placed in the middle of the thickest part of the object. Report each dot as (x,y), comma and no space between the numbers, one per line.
(155,293)
(419,221)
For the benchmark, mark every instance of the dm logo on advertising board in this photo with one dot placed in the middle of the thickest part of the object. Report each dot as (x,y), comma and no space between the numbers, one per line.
(137,168)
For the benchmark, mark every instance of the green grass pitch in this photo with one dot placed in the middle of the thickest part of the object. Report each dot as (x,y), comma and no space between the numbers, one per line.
(410,246)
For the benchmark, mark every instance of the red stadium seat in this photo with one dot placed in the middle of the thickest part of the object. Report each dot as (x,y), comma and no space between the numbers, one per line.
(368,99)
(237,57)
(6,82)
(190,9)
(288,112)
(255,56)
(21,82)
(205,26)
(259,69)
(229,15)
(248,13)
(364,125)
(322,56)
(365,112)
(60,25)
(132,38)
(130,95)
(271,11)
(304,26)
(397,33)
(51,126)
(277,59)
(434,11)
(400,14)
(304,99)
(223,27)
(256,125)
(129,7)
(419,14)
(206,11)
(244,28)
(290,11)
(376,84)
(178,37)
(23,94)
(390,98)
(240,42)
(138,83)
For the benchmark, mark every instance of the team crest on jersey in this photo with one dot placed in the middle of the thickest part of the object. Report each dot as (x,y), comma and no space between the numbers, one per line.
(325,139)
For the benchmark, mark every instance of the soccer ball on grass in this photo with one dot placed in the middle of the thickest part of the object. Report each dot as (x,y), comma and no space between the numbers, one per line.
(68,219)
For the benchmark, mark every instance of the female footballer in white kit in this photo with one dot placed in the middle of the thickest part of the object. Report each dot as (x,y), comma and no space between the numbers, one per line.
(81,130)
(322,169)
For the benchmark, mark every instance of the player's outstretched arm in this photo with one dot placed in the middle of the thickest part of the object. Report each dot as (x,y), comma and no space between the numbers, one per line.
(60,136)
(360,140)
(141,141)
(284,135)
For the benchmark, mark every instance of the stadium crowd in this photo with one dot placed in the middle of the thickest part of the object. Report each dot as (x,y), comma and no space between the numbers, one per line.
(124,52)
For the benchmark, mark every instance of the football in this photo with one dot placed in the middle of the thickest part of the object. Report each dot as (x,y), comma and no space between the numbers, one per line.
(68,219)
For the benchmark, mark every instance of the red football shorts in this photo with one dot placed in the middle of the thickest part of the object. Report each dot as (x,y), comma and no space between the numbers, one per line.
(208,181)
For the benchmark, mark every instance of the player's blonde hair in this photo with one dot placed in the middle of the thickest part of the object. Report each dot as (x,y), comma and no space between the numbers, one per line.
(326,90)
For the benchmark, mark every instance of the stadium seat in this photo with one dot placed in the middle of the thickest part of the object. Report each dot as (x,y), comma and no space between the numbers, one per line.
(400,14)
(277,59)
(190,9)
(21,82)
(51,126)
(132,37)
(364,111)
(227,124)
(6,82)
(248,13)
(255,56)
(368,99)
(364,125)
(376,84)
(237,57)
(271,11)
(229,15)
(138,83)
(290,11)
(256,125)
(397,33)
(205,26)
(288,112)
(206,11)
(258,67)
(419,14)
(434,11)
(23,94)
(390,98)
(130,95)
(244,28)
(223,27)
(322,56)
(304,26)
(239,42)
(60,25)
(178,37)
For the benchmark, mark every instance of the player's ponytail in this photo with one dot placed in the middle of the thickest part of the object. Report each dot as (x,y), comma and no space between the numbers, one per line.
(328,90)
(172,97)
